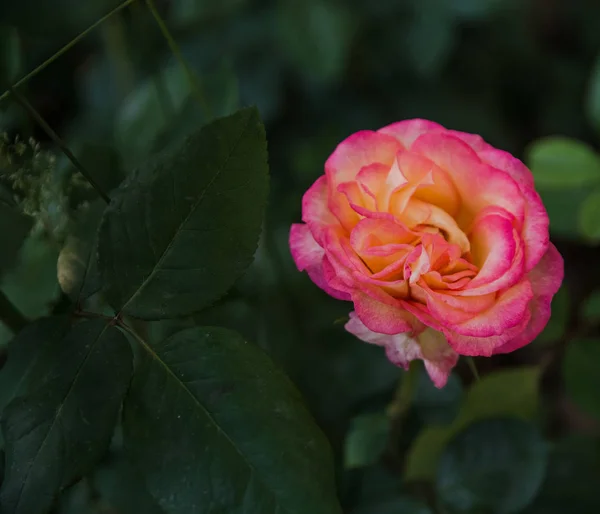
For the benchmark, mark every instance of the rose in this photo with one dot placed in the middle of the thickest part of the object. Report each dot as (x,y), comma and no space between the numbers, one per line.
(439,240)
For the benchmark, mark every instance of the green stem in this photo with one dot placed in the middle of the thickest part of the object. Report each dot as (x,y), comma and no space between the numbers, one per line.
(65,48)
(10,315)
(195,84)
(58,141)
(473,368)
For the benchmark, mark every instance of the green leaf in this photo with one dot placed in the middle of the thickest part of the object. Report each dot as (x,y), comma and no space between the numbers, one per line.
(572,478)
(164,109)
(366,440)
(582,380)
(109,481)
(14,227)
(564,209)
(177,240)
(559,162)
(593,96)
(589,217)
(494,466)
(10,56)
(590,308)
(60,430)
(512,392)
(214,426)
(30,356)
(77,266)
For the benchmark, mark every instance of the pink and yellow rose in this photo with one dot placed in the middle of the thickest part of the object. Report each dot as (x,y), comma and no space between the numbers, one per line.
(439,240)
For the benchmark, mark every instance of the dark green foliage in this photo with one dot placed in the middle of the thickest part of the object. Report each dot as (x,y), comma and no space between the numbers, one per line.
(178,234)
(493,466)
(213,425)
(209,423)
(58,431)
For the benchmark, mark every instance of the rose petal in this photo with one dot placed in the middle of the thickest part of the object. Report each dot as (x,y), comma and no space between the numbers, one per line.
(430,346)
(408,130)
(360,149)
(305,250)
(478,184)
(380,317)
(315,210)
(545,279)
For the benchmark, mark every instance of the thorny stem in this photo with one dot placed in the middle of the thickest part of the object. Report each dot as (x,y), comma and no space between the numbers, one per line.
(197,89)
(58,141)
(65,48)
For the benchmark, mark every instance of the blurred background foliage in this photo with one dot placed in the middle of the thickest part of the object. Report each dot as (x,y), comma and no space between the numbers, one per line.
(525,74)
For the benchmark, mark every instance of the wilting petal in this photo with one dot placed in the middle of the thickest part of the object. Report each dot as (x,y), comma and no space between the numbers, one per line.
(429,346)
(438,356)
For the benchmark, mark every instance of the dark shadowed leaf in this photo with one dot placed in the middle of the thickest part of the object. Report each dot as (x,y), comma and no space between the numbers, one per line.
(121,486)
(175,242)
(215,427)
(366,439)
(58,431)
(511,392)
(572,478)
(495,466)
(582,380)
(30,356)
(14,228)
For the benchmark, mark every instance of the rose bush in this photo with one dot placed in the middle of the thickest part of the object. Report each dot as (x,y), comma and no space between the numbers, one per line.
(439,240)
